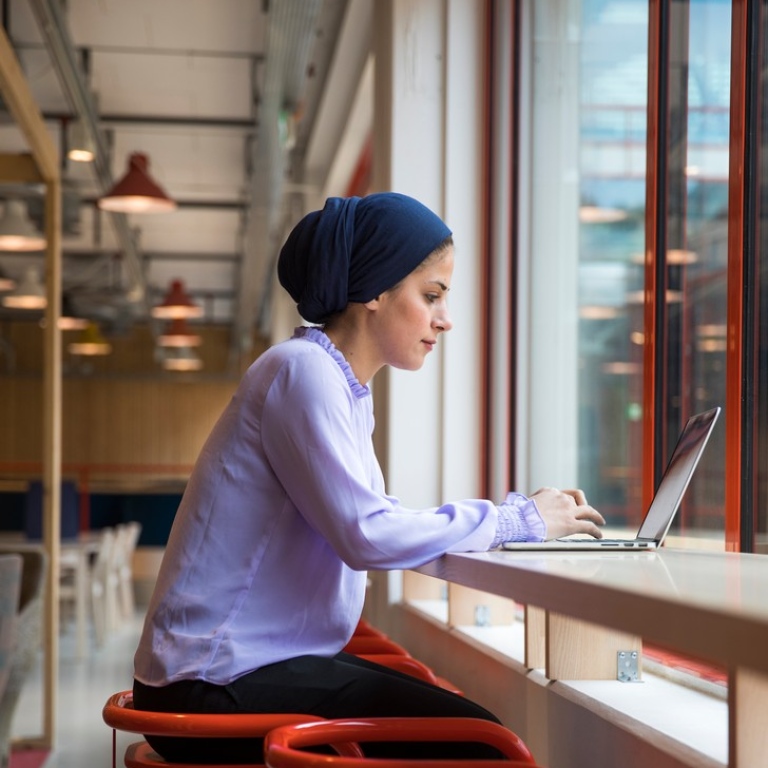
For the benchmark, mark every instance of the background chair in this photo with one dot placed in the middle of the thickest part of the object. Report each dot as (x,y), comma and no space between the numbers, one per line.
(119,714)
(98,591)
(20,624)
(126,539)
(283,746)
(104,591)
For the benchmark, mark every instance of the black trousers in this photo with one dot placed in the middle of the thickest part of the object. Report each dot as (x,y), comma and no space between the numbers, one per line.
(341,686)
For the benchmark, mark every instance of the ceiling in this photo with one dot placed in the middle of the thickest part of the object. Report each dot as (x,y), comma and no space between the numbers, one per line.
(246,110)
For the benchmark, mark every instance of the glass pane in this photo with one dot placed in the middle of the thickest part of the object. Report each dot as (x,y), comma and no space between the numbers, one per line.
(761,514)
(588,213)
(699,93)
(613,61)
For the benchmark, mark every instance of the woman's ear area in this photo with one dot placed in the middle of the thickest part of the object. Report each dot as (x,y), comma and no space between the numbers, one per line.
(373,303)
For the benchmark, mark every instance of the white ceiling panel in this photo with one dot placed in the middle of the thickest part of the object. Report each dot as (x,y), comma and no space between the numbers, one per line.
(215,276)
(188,84)
(234,26)
(187,164)
(189,229)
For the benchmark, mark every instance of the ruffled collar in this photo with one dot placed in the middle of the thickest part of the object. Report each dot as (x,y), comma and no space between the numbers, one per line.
(313,333)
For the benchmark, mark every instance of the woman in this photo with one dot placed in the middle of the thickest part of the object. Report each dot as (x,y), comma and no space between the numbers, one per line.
(263,579)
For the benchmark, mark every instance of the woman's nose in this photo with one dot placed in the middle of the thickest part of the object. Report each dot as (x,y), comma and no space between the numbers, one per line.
(443,321)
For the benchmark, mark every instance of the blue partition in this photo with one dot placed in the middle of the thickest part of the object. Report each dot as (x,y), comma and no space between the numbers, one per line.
(70,510)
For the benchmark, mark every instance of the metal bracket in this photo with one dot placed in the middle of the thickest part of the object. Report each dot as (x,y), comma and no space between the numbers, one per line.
(627,666)
(482,615)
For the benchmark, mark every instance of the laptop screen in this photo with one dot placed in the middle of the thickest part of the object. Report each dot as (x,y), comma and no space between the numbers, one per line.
(685,457)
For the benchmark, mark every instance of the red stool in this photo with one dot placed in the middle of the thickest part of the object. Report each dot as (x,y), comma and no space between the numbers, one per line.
(282,746)
(365,628)
(365,644)
(119,714)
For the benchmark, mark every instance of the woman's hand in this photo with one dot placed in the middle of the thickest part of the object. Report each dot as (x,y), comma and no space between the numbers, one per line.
(566,512)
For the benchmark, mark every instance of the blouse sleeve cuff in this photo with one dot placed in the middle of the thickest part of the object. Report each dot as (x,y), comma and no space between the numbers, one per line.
(518,520)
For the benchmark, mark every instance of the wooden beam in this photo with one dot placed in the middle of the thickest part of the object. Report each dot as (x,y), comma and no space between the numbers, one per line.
(25,112)
(44,157)
(52,426)
(19,169)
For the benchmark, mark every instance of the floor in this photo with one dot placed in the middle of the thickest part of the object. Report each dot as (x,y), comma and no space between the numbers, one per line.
(82,739)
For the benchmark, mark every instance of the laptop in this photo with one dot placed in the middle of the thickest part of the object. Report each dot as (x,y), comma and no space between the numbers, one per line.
(666,502)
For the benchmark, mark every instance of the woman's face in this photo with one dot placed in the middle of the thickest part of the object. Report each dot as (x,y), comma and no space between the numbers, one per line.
(411,316)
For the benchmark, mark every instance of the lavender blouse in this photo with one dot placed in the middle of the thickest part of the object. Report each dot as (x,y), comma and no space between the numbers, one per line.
(282,516)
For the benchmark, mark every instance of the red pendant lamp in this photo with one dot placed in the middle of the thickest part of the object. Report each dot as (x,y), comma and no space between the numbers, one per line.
(177,304)
(179,334)
(137,191)
(182,359)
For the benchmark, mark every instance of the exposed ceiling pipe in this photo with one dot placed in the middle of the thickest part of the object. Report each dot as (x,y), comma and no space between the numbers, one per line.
(54,29)
(290,37)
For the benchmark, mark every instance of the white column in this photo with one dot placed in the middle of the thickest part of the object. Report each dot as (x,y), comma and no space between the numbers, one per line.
(552,292)
(428,121)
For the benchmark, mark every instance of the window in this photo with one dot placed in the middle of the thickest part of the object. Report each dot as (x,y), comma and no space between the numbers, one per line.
(608,211)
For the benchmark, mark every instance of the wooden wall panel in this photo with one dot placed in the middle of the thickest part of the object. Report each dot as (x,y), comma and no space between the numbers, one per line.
(112,428)
(21,430)
(125,423)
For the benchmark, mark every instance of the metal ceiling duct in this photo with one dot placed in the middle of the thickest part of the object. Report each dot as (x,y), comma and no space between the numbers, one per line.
(54,30)
(290,39)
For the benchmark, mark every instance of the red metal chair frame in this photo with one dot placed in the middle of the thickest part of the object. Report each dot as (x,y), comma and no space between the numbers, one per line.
(282,746)
(119,714)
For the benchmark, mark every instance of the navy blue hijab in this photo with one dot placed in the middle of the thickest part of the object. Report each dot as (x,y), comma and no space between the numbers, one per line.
(354,249)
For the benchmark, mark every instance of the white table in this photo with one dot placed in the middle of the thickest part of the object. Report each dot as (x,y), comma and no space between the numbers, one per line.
(710,605)
(74,558)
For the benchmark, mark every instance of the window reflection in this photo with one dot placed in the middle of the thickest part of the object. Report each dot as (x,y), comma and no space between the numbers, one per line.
(613,61)
(613,65)
(696,259)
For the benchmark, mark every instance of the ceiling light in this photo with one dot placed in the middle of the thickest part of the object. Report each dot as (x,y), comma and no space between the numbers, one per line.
(177,304)
(638,297)
(594,214)
(621,368)
(29,293)
(182,359)
(90,342)
(597,312)
(178,334)
(712,329)
(70,319)
(6,283)
(137,191)
(680,256)
(17,233)
(82,148)
(712,345)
